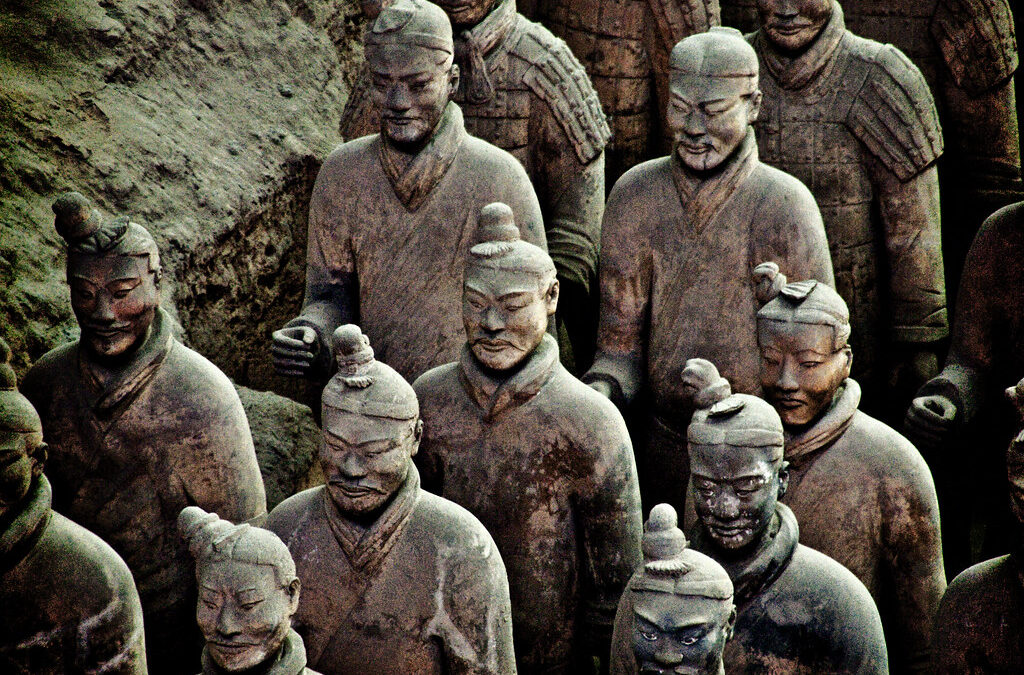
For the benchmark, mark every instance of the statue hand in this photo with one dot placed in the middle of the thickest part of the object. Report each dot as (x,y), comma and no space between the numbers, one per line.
(929,421)
(294,350)
(602,387)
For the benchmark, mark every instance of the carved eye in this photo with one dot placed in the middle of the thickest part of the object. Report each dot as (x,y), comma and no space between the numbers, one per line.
(690,640)
(648,635)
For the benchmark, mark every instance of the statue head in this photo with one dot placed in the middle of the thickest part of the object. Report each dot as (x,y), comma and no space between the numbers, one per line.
(113,269)
(509,292)
(682,603)
(736,462)
(371,428)
(248,590)
(410,53)
(802,331)
(792,25)
(467,13)
(22,451)
(713,96)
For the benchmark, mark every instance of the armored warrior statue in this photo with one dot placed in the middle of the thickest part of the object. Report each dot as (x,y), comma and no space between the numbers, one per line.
(69,602)
(523,90)
(681,237)
(392,575)
(392,214)
(248,593)
(543,460)
(139,426)
(854,120)
(676,613)
(861,492)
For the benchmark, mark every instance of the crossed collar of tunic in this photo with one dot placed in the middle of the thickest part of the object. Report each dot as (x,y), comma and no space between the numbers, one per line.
(26,525)
(797,73)
(493,395)
(291,659)
(471,46)
(829,427)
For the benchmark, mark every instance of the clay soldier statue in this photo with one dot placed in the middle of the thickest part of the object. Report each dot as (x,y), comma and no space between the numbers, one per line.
(541,459)
(861,492)
(392,215)
(523,90)
(676,613)
(248,593)
(681,237)
(855,121)
(139,426)
(799,610)
(68,601)
(392,575)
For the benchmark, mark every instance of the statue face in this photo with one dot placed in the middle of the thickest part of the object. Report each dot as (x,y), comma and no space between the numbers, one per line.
(505,314)
(791,25)
(466,13)
(114,298)
(21,459)
(708,118)
(366,459)
(734,493)
(244,612)
(680,634)
(411,87)
(799,371)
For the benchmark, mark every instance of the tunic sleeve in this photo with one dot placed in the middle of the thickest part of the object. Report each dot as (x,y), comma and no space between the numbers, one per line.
(790,232)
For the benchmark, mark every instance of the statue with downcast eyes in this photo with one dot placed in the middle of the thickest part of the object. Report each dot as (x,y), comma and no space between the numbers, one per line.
(540,458)
(799,610)
(248,593)
(855,121)
(68,601)
(139,426)
(392,215)
(395,580)
(681,236)
(677,612)
(861,492)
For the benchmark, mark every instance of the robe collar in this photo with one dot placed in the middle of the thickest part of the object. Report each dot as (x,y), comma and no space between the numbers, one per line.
(105,395)
(25,524)
(414,180)
(829,427)
(494,395)
(754,574)
(796,73)
(471,46)
(702,198)
(367,548)
(290,660)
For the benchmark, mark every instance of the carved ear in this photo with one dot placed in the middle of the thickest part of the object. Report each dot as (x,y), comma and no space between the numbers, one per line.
(754,111)
(783,479)
(731,624)
(294,589)
(38,456)
(551,297)
(454,76)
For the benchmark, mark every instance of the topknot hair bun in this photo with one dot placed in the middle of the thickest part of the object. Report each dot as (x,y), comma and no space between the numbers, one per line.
(75,219)
(354,356)
(768,282)
(496,230)
(702,377)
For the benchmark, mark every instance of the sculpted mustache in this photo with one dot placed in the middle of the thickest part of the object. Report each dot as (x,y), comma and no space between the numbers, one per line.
(345,483)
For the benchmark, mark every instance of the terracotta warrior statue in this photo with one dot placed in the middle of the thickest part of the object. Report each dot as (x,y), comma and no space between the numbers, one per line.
(855,121)
(248,593)
(69,602)
(523,90)
(681,237)
(392,575)
(961,412)
(139,426)
(861,492)
(980,624)
(799,610)
(676,613)
(625,47)
(541,459)
(392,214)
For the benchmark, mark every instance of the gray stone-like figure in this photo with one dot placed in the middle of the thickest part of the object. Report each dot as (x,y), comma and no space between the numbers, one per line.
(392,575)
(248,592)
(861,492)
(68,601)
(540,458)
(392,215)
(677,609)
(139,426)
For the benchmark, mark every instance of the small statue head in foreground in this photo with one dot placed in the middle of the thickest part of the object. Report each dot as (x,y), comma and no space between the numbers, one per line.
(510,292)
(682,603)
(22,451)
(713,96)
(248,590)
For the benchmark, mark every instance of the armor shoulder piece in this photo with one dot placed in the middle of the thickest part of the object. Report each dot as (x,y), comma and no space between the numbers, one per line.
(678,19)
(977,42)
(894,113)
(558,78)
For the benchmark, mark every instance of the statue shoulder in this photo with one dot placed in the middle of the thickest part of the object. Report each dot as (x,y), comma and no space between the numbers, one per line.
(54,365)
(977,42)
(286,518)
(893,112)
(557,77)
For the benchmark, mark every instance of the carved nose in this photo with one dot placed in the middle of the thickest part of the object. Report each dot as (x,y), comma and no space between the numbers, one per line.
(398,98)
(491,321)
(227,623)
(787,379)
(352,466)
(104,309)
(728,507)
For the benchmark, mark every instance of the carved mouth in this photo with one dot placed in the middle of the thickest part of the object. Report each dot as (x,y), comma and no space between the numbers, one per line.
(789,28)
(350,490)
(789,403)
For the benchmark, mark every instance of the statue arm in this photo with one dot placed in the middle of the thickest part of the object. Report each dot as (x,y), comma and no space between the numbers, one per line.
(792,234)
